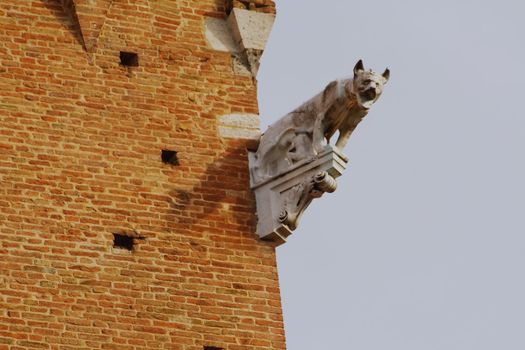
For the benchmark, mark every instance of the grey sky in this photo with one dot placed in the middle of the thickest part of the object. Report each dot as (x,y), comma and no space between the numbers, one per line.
(423,244)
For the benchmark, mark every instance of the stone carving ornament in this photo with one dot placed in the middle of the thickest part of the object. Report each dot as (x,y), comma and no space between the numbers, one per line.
(295,161)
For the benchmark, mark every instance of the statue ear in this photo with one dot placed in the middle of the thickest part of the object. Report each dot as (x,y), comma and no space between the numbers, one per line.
(358,66)
(386,74)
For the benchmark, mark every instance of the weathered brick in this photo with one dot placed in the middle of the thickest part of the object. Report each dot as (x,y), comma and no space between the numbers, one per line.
(80,143)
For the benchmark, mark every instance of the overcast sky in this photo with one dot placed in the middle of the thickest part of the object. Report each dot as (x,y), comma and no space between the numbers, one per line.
(422,246)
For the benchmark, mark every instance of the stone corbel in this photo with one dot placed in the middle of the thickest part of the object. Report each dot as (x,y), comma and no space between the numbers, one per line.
(282,200)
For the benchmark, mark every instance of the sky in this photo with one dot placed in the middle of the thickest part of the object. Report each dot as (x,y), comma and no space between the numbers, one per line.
(422,246)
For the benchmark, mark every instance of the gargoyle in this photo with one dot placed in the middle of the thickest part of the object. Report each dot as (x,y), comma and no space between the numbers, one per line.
(295,162)
(340,107)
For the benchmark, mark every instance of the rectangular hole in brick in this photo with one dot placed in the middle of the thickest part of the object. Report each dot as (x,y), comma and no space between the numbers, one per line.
(169,157)
(122,241)
(129,59)
(212,348)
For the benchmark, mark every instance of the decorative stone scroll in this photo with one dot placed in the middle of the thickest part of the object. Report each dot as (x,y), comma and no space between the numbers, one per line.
(295,162)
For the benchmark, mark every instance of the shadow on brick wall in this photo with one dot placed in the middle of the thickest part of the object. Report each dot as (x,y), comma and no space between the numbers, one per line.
(221,6)
(64,13)
(221,198)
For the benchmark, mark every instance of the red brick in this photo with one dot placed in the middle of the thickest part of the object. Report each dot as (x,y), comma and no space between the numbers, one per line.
(80,143)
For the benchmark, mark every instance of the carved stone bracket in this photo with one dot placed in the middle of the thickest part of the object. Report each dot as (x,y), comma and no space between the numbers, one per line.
(282,200)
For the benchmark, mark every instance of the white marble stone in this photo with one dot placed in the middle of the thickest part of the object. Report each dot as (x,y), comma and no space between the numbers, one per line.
(239,126)
(244,34)
(251,29)
(219,35)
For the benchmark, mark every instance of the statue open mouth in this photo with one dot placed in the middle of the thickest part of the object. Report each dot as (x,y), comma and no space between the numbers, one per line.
(369,94)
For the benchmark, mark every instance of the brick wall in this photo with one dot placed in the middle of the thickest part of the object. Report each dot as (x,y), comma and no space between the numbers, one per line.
(81,137)
(265,6)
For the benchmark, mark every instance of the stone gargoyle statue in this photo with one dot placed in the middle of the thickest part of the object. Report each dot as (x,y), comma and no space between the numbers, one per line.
(295,161)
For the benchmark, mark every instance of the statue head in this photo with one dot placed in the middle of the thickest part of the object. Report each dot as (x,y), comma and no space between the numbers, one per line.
(368,85)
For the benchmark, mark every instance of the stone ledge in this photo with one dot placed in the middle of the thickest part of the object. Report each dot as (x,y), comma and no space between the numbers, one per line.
(239,126)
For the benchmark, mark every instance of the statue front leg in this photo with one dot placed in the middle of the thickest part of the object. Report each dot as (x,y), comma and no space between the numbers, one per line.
(318,134)
(343,139)
(344,136)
